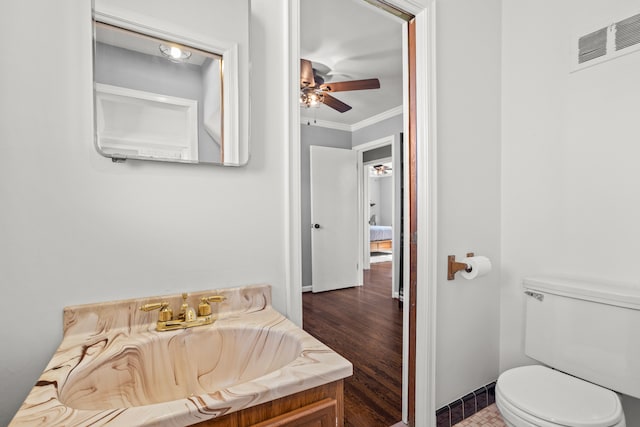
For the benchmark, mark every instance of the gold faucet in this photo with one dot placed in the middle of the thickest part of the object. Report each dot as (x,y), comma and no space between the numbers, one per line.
(187,317)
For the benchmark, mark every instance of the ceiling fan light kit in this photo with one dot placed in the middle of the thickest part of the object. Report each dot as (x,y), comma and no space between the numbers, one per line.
(310,97)
(314,91)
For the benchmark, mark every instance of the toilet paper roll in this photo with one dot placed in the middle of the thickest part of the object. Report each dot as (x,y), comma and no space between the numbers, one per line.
(480,265)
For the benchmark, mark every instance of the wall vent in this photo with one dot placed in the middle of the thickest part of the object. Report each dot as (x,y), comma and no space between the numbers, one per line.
(628,32)
(612,41)
(593,45)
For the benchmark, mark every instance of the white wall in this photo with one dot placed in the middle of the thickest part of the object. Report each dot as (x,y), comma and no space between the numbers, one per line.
(468,162)
(374,197)
(381,193)
(385,187)
(77,228)
(570,202)
(391,126)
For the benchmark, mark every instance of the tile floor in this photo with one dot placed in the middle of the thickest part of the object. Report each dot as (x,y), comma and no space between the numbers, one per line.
(488,417)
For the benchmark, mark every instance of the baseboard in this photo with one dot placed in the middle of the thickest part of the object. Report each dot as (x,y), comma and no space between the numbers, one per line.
(307,288)
(466,406)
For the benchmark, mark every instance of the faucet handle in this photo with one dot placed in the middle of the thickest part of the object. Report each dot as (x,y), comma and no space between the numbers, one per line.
(165,312)
(204,309)
(155,306)
(213,298)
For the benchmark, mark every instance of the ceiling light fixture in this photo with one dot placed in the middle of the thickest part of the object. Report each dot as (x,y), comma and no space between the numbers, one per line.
(174,53)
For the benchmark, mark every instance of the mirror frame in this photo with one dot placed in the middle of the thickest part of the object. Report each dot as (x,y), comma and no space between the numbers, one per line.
(235,130)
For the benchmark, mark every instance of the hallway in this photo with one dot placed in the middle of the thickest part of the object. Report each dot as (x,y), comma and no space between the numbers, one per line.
(363,324)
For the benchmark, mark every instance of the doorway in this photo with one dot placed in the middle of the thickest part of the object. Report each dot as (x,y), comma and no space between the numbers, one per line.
(371,132)
(378,210)
(365,324)
(420,107)
(382,234)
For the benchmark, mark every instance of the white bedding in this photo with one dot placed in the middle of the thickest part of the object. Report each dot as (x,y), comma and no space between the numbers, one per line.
(380,232)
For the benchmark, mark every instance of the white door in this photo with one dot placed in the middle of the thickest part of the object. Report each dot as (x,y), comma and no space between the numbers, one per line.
(334,218)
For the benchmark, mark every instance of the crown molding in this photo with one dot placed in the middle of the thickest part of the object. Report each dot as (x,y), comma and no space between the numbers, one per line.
(325,124)
(377,118)
(356,126)
(411,6)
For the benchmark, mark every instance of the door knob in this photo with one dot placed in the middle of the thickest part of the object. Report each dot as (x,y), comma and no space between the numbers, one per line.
(315,225)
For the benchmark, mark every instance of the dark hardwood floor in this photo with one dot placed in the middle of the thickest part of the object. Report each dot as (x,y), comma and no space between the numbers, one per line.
(364,325)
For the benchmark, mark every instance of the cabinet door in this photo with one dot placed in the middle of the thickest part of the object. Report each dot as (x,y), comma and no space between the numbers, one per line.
(320,414)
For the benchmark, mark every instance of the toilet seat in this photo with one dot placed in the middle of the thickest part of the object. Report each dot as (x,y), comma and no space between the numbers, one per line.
(540,396)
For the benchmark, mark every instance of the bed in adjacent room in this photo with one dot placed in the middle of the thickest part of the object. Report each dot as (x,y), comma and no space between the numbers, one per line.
(380,237)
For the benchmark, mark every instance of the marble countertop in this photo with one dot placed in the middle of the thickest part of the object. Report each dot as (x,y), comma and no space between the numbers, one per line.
(114,369)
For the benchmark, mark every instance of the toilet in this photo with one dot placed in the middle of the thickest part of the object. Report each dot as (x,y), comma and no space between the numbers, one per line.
(585,335)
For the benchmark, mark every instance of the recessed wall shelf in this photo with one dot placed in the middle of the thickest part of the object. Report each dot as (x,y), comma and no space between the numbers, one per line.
(133,123)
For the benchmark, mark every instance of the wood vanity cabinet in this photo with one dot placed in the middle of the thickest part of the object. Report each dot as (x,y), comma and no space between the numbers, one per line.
(321,406)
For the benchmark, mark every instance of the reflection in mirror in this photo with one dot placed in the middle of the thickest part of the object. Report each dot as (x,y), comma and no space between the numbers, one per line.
(159,99)
(156,99)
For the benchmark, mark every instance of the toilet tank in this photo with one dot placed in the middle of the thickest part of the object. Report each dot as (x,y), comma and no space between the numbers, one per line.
(587,329)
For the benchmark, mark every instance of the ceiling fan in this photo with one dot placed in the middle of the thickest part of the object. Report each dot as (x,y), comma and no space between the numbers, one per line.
(314,91)
(382,169)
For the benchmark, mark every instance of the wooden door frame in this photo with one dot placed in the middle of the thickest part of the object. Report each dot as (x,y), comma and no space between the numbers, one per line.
(420,375)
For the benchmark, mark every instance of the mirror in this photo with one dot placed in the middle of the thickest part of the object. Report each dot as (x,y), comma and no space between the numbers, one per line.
(167,93)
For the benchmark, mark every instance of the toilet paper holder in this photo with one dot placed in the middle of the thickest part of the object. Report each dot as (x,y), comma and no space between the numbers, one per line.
(454,266)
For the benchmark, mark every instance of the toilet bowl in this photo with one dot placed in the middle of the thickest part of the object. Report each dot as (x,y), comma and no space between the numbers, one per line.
(537,396)
(584,333)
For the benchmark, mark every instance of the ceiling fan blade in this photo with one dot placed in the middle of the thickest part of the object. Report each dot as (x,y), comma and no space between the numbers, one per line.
(334,103)
(351,85)
(306,74)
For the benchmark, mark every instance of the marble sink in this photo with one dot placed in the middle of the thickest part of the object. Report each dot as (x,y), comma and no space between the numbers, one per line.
(114,369)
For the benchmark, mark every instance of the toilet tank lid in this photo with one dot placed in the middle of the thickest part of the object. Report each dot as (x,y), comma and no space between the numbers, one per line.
(618,294)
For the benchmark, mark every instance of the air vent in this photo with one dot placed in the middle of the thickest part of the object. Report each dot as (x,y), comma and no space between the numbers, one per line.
(628,32)
(593,45)
(609,42)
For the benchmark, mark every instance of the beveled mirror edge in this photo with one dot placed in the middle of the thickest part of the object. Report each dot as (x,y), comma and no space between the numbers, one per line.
(236,105)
